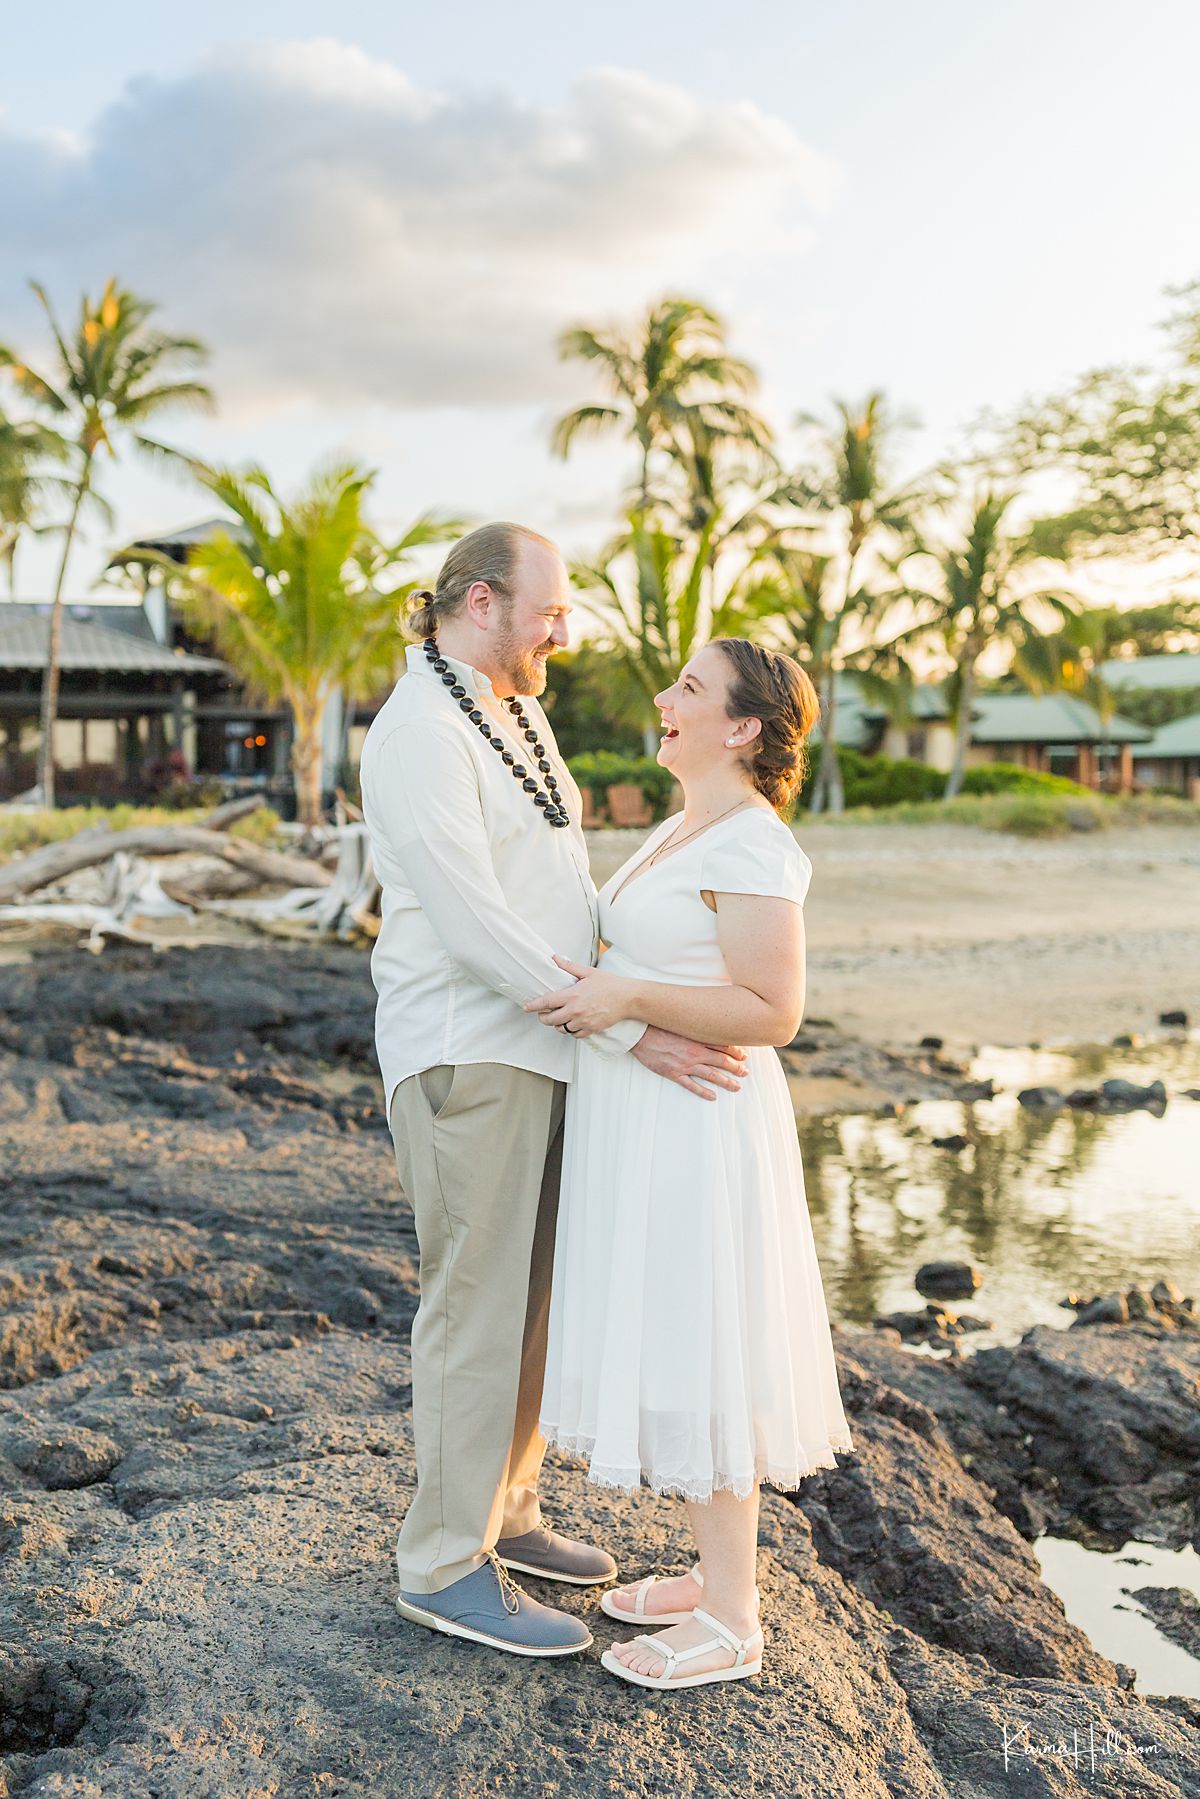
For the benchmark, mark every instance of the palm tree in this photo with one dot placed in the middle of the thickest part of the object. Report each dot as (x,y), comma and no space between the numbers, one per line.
(111,377)
(980,597)
(673,370)
(795,603)
(1068,660)
(26,450)
(291,594)
(661,598)
(853,504)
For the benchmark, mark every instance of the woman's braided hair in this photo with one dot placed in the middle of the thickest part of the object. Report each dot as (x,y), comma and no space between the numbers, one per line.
(773,688)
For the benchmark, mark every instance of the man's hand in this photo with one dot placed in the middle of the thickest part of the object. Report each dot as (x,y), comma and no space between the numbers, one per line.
(691,1064)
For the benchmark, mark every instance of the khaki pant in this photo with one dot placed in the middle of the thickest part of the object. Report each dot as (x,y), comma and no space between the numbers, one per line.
(479,1154)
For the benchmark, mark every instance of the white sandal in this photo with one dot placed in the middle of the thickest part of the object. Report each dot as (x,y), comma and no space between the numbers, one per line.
(639,1614)
(722,1636)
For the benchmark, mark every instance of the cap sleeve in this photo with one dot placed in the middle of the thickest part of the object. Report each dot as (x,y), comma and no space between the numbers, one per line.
(768,861)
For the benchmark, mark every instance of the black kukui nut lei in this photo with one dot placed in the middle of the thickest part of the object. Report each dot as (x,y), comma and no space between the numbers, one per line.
(548,801)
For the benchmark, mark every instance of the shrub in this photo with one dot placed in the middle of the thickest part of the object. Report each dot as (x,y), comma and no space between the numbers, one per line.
(1010,777)
(261,827)
(896,781)
(1025,814)
(1030,815)
(598,770)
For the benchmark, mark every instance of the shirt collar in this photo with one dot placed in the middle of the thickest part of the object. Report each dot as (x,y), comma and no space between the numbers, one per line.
(471,678)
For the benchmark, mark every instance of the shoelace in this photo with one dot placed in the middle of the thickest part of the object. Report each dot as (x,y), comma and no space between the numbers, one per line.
(508,1586)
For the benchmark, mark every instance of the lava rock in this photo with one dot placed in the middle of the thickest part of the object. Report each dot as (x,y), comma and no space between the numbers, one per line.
(1108,1308)
(218,1616)
(67,1459)
(973,1090)
(1175,1611)
(1175,1017)
(1041,1099)
(1110,1412)
(948,1280)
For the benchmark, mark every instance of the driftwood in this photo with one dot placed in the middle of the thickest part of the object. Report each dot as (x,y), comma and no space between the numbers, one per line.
(221,817)
(350,903)
(129,892)
(208,879)
(29,873)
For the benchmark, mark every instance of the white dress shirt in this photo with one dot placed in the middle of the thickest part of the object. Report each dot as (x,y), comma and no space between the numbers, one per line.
(479,890)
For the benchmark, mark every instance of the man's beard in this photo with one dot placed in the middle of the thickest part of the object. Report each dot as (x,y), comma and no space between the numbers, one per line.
(526,670)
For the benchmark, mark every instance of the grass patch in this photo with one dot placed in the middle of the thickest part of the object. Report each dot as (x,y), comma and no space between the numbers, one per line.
(21,832)
(1023,814)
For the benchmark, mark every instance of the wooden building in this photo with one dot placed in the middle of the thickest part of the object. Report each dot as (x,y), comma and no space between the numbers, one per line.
(127,704)
(1052,733)
(1170,762)
(1056,734)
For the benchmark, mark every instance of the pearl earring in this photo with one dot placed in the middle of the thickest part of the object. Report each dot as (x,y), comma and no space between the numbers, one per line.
(729,743)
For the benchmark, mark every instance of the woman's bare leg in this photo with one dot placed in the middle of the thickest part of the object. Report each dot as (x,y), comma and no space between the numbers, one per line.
(726,1533)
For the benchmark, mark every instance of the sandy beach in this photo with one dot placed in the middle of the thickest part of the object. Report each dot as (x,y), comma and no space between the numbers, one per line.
(979,937)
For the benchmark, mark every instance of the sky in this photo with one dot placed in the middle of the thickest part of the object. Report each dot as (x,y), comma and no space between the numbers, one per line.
(380,216)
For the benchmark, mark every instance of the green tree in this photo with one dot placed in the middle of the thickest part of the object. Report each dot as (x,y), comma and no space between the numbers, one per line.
(593,703)
(857,513)
(293,597)
(978,594)
(794,602)
(28,453)
(659,598)
(112,376)
(671,373)
(1130,438)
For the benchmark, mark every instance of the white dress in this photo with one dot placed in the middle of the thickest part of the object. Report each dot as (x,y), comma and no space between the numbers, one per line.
(688,1339)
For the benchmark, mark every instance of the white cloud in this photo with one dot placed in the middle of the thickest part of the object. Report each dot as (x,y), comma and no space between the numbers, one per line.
(339,237)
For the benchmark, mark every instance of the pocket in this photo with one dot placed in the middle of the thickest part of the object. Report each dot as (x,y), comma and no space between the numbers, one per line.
(437,1084)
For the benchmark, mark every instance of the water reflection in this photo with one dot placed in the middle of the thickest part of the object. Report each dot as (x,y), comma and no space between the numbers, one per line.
(1096,1589)
(1043,1202)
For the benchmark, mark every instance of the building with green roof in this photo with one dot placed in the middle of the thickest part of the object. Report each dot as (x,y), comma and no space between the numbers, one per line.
(1171,759)
(1051,733)
(1153,674)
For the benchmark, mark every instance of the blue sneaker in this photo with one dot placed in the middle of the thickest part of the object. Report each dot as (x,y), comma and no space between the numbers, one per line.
(489,1607)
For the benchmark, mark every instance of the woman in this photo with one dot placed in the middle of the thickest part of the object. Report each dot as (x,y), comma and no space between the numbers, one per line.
(689,1341)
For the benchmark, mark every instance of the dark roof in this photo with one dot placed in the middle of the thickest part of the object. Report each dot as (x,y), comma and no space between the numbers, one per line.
(131,619)
(88,645)
(178,543)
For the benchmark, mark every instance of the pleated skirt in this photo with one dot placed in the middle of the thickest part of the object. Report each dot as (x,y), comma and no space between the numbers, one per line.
(689,1342)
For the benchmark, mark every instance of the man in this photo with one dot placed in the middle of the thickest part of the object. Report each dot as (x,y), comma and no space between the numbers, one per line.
(475,829)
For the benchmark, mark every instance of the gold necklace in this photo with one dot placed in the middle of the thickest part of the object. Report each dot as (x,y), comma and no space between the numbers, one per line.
(675,842)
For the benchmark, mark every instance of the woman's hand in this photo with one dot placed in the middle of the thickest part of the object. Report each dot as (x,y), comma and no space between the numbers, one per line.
(596,1001)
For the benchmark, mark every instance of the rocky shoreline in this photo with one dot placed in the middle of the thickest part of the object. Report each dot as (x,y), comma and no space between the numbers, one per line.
(208,1279)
